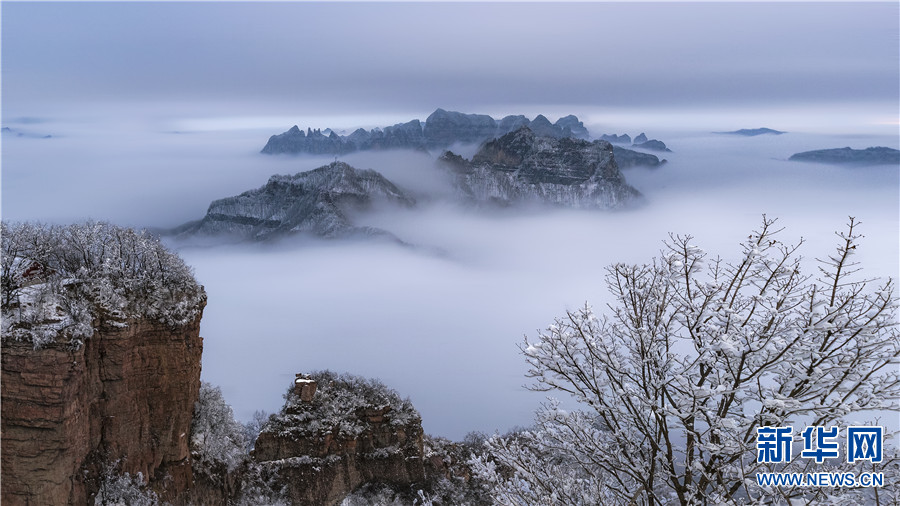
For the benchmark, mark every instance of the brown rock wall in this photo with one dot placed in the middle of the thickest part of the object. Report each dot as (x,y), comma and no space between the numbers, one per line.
(126,395)
(322,469)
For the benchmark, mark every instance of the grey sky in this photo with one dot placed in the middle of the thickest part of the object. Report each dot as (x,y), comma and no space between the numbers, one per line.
(374,57)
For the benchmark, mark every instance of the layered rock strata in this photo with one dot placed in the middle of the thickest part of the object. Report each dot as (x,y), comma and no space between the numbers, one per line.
(124,397)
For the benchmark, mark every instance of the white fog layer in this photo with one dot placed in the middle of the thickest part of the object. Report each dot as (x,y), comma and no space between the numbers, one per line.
(440,320)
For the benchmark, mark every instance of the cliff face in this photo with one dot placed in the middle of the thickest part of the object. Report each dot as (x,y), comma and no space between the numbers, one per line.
(348,433)
(100,361)
(127,395)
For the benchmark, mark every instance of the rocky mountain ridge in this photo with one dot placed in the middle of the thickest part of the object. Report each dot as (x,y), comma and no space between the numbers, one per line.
(629,158)
(522,167)
(319,202)
(440,130)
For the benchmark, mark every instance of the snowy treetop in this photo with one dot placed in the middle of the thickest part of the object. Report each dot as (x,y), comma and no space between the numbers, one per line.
(62,281)
(339,406)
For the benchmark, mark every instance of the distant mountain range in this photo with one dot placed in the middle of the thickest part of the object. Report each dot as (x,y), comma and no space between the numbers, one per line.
(519,161)
(21,133)
(641,141)
(846,156)
(441,130)
(520,167)
(752,132)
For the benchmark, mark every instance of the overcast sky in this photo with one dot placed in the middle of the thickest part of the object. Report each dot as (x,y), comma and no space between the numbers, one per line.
(407,58)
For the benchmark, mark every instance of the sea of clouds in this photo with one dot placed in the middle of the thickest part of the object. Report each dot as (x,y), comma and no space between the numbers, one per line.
(438,319)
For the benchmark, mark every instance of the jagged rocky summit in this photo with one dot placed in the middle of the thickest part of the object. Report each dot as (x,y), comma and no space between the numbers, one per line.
(629,158)
(846,156)
(522,167)
(319,202)
(338,432)
(616,139)
(440,130)
(342,437)
(641,141)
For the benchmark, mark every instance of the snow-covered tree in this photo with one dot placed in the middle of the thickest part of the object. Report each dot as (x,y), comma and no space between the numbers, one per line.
(123,489)
(60,281)
(692,357)
(217,439)
(253,427)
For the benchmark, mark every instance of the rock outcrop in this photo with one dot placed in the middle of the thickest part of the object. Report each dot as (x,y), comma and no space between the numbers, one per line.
(653,144)
(616,139)
(399,136)
(319,202)
(100,362)
(847,156)
(312,141)
(125,396)
(571,127)
(441,129)
(641,142)
(351,432)
(627,158)
(521,167)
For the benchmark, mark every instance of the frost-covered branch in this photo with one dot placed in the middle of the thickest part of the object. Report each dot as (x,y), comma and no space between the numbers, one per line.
(688,362)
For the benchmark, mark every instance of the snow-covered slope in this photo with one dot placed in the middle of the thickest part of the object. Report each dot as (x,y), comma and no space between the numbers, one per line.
(318,202)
